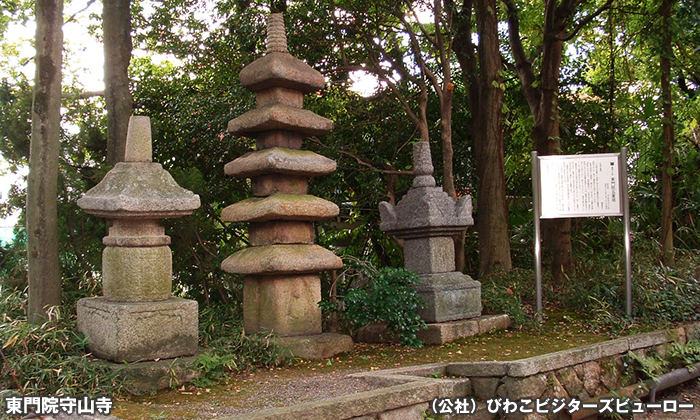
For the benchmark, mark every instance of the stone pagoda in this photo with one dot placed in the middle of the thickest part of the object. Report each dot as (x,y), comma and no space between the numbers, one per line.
(427,219)
(281,287)
(137,318)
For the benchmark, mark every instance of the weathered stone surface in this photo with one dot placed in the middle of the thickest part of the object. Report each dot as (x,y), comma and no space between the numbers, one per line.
(488,323)
(136,274)
(572,384)
(422,165)
(287,306)
(280,160)
(136,233)
(554,388)
(445,332)
(611,368)
(485,388)
(450,297)
(265,185)
(280,117)
(647,339)
(282,259)
(130,332)
(555,360)
(353,405)
(426,210)
(478,369)
(430,254)
(281,232)
(280,207)
(278,69)
(530,387)
(591,377)
(279,138)
(152,376)
(412,412)
(280,95)
(138,189)
(138,140)
(318,346)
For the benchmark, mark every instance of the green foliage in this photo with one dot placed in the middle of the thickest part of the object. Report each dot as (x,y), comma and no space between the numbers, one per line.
(50,358)
(510,293)
(386,297)
(651,366)
(229,350)
(679,355)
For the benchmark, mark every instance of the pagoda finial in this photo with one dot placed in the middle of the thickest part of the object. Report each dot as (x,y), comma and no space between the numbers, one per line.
(422,165)
(276,36)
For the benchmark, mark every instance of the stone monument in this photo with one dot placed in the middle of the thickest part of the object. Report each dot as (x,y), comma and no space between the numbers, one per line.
(281,287)
(137,318)
(427,219)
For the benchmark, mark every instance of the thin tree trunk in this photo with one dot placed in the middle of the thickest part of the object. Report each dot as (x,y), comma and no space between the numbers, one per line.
(668,139)
(44,269)
(116,18)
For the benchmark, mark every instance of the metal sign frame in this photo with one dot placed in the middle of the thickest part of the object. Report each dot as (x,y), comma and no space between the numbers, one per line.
(597,209)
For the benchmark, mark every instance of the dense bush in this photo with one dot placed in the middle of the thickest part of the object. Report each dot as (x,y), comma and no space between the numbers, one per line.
(383,296)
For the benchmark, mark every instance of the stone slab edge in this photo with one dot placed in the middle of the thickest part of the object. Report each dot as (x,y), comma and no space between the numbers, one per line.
(353,405)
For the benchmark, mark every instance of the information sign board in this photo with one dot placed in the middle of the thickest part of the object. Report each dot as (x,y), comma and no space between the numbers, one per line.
(580,186)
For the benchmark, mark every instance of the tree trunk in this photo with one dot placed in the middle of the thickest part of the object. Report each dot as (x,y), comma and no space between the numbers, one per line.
(486,128)
(543,103)
(116,18)
(44,269)
(668,138)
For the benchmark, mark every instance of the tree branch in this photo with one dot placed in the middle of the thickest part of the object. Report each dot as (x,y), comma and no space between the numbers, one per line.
(585,21)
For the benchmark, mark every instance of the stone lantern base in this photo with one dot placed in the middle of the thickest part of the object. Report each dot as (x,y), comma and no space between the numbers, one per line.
(137,331)
(449,297)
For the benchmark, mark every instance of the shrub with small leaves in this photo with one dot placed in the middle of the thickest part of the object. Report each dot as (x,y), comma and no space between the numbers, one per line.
(385,297)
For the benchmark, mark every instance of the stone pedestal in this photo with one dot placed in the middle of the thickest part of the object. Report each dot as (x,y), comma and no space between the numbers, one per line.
(137,318)
(131,332)
(281,288)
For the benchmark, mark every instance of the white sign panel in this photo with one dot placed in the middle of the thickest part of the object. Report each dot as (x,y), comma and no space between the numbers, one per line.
(580,186)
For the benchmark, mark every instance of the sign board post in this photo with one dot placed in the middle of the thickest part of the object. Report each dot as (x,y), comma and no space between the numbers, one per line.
(565,186)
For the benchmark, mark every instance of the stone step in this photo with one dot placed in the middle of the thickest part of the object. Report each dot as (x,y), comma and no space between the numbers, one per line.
(301,207)
(280,160)
(282,259)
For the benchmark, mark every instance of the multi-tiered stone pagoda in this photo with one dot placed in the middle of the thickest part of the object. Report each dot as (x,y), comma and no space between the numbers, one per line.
(281,288)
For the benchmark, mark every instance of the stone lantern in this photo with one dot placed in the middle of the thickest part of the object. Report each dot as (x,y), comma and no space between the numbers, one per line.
(427,219)
(281,287)
(137,318)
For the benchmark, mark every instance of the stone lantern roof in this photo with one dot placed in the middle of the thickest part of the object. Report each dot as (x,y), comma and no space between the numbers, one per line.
(426,210)
(138,187)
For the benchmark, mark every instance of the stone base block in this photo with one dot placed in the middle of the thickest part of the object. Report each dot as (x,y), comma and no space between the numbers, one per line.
(130,332)
(285,305)
(152,376)
(449,297)
(320,346)
(445,332)
(439,333)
